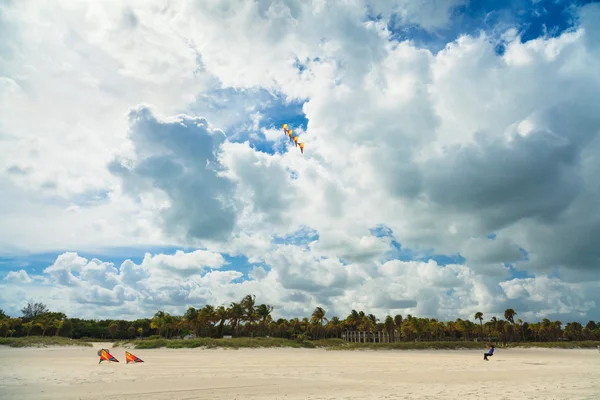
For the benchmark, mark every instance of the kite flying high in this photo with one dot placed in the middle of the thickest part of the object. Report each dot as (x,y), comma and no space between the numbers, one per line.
(293,137)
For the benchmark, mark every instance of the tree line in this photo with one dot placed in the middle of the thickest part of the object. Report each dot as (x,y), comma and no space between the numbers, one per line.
(246,318)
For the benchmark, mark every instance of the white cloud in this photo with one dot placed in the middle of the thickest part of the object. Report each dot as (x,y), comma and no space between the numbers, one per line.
(19,276)
(185,263)
(117,142)
(175,165)
(295,284)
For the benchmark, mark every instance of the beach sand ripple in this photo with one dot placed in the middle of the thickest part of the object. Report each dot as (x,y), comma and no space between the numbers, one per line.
(74,373)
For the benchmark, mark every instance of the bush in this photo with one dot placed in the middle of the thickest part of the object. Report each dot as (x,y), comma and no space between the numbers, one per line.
(39,341)
(234,343)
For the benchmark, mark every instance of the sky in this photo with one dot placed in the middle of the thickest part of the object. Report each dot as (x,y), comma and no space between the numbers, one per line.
(450,161)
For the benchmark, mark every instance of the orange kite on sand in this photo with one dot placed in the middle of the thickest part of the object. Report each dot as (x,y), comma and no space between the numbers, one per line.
(106,356)
(131,358)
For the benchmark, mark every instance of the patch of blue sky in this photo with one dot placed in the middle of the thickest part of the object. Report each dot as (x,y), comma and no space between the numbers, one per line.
(516,273)
(258,142)
(398,252)
(555,274)
(90,197)
(381,230)
(299,65)
(279,112)
(443,259)
(292,173)
(241,264)
(525,254)
(242,114)
(531,19)
(31,263)
(301,237)
(491,236)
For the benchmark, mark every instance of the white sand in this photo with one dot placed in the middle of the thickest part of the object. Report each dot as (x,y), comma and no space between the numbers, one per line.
(74,373)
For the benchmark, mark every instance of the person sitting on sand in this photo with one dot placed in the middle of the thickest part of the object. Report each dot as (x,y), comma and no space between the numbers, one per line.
(489,353)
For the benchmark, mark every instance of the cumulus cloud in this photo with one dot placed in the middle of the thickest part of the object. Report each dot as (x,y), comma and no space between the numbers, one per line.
(176,165)
(185,263)
(19,276)
(295,282)
(443,148)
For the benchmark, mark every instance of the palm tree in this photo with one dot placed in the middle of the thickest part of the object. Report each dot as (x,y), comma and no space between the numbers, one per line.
(59,325)
(318,315)
(398,322)
(45,323)
(191,318)
(353,320)
(207,317)
(222,314)
(131,331)
(390,326)
(479,316)
(509,315)
(263,313)
(4,327)
(520,328)
(590,330)
(248,303)
(158,322)
(334,326)
(236,313)
(317,318)
(14,323)
(28,326)
(112,329)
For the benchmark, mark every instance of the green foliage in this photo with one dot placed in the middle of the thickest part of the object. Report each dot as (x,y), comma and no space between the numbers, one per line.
(67,328)
(460,345)
(433,345)
(234,343)
(154,337)
(32,311)
(586,344)
(249,320)
(335,344)
(39,341)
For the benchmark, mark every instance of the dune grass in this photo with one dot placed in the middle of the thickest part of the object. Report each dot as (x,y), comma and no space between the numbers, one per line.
(234,343)
(461,345)
(586,344)
(456,345)
(336,344)
(254,343)
(39,341)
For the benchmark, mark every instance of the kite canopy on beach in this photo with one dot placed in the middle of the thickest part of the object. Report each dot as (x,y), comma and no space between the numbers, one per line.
(131,358)
(106,356)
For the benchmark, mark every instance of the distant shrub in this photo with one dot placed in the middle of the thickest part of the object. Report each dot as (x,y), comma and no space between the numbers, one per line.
(39,341)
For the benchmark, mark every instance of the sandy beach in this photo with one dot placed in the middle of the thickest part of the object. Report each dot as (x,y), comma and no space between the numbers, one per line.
(74,373)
